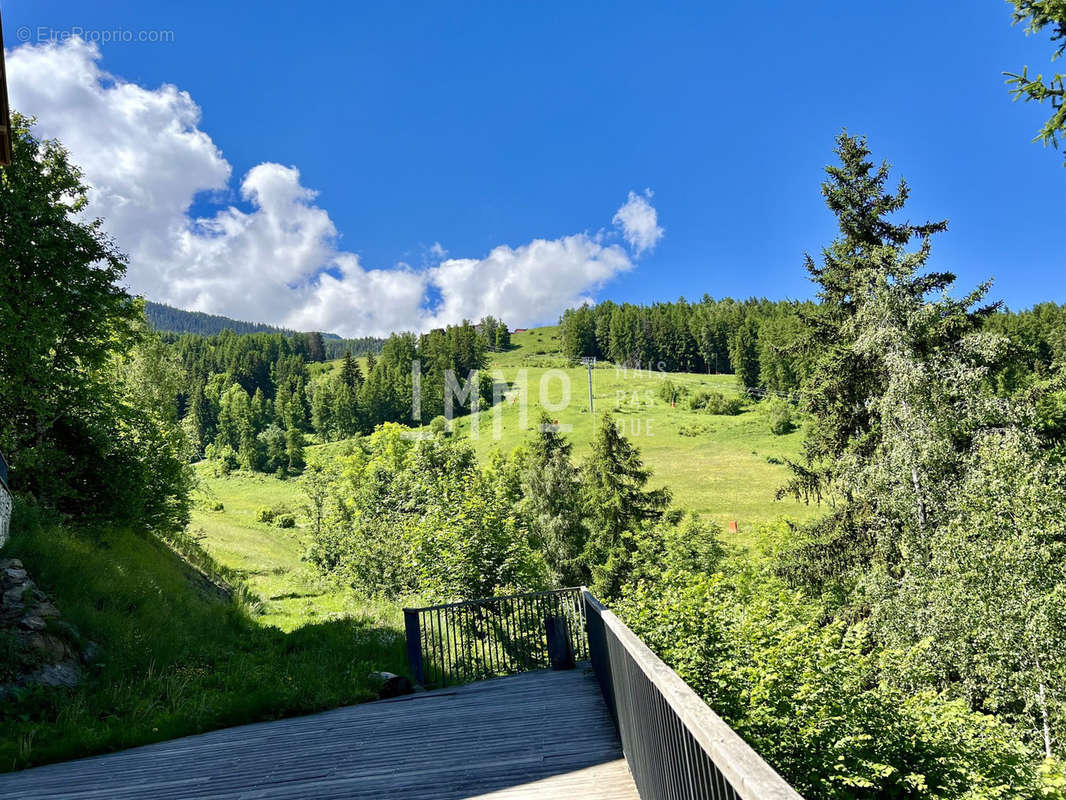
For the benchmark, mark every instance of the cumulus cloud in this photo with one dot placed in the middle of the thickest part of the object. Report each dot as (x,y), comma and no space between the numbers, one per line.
(639,222)
(276,257)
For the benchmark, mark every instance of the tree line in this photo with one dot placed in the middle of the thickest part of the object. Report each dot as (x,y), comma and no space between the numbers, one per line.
(248,401)
(915,629)
(773,346)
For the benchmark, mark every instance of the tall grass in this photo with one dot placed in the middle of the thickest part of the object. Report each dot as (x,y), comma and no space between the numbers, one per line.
(182,652)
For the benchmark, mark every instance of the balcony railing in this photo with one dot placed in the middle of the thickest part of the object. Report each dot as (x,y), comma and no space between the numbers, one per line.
(676,747)
(476,639)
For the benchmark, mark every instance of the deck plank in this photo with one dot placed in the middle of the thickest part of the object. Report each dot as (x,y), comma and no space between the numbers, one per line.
(538,735)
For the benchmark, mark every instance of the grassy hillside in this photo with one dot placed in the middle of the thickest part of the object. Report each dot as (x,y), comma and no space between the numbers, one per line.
(726,468)
(267,558)
(181,656)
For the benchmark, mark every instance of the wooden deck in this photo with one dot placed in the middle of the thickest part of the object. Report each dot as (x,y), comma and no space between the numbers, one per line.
(536,735)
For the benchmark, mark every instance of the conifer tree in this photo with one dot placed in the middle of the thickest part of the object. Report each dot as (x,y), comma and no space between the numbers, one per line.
(877,326)
(616,503)
(551,502)
(350,373)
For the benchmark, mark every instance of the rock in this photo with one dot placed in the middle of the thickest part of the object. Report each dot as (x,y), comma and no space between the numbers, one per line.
(49,647)
(10,616)
(65,675)
(15,575)
(32,623)
(13,597)
(390,685)
(64,628)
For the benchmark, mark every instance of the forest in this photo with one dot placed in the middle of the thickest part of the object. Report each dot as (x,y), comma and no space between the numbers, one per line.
(772,346)
(248,400)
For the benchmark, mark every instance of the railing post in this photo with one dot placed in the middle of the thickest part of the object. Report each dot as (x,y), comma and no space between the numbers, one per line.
(413,627)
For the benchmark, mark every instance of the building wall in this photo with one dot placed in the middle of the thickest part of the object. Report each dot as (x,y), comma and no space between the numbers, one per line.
(5,514)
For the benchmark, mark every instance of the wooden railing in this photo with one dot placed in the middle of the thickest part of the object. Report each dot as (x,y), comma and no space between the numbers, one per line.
(477,639)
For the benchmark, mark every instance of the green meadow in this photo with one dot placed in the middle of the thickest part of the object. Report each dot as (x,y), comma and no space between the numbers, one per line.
(268,559)
(726,468)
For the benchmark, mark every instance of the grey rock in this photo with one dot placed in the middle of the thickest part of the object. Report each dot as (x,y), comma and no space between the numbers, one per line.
(64,628)
(65,675)
(390,685)
(49,647)
(10,563)
(32,623)
(47,610)
(13,597)
(15,574)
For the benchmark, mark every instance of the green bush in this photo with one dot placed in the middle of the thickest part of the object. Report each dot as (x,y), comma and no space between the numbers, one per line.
(716,403)
(780,415)
(224,458)
(271,515)
(438,426)
(285,520)
(796,687)
(670,392)
(265,514)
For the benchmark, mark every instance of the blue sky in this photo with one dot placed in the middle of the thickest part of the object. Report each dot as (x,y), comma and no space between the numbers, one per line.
(479,125)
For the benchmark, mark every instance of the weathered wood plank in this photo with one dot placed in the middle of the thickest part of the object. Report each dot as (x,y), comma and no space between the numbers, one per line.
(537,735)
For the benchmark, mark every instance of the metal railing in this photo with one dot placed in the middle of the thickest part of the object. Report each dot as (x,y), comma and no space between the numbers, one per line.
(675,745)
(476,639)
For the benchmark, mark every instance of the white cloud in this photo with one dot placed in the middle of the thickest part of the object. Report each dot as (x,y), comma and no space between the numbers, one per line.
(276,259)
(639,222)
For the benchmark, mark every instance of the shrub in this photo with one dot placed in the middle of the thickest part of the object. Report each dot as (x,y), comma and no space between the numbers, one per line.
(670,392)
(224,458)
(764,657)
(285,520)
(218,506)
(273,515)
(780,414)
(716,403)
(438,426)
(691,430)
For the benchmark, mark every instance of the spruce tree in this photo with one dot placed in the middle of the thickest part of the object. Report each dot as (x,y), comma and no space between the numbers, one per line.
(878,328)
(551,502)
(616,504)
(350,372)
